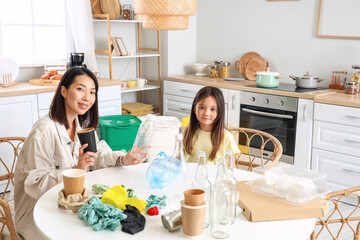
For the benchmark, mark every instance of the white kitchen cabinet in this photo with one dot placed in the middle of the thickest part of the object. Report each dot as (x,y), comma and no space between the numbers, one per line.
(178,98)
(336,145)
(44,102)
(304,127)
(233,109)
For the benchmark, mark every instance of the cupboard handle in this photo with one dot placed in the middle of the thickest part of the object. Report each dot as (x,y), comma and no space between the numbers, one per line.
(352,116)
(350,170)
(233,102)
(187,90)
(304,112)
(185,109)
(352,141)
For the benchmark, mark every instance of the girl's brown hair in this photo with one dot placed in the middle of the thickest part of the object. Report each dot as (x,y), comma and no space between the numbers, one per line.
(57,108)
(217,132)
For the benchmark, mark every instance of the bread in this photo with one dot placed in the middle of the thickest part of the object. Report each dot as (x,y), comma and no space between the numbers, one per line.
(55,77)
(45,76)
(52,72)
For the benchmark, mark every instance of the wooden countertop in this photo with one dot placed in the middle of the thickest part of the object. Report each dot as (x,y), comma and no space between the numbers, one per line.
(24,88)
(329,96)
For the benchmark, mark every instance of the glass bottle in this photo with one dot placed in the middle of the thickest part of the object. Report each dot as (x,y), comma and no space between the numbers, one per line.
(232,183)
(202,182)
(144,136)
(127,11)
(178,175)
(220,204)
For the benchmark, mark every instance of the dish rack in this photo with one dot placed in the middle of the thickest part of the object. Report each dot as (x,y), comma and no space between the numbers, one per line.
(7,80)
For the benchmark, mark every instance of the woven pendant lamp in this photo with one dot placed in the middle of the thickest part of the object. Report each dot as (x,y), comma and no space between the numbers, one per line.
(165,14)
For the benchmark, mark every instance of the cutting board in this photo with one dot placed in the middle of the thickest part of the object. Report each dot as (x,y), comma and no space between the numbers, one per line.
(241,65)
(44,82)
(256,64)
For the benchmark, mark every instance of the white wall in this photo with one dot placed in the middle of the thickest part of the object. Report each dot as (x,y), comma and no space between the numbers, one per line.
(282,32)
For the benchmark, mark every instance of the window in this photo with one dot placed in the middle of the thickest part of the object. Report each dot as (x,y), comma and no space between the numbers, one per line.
(33,32)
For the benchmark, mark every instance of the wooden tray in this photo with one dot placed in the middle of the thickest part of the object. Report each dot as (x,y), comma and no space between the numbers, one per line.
(44,82)
(241,65)
(256,64)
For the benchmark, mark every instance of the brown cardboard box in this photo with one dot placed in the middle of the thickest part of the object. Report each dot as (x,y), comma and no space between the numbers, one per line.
(258,207)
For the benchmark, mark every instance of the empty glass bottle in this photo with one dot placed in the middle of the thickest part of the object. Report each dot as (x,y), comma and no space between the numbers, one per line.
(177,169)
(220,204)
(232,183)
(202,182)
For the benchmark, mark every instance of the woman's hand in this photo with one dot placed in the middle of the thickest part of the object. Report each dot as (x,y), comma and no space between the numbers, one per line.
(85,159)
(129,158)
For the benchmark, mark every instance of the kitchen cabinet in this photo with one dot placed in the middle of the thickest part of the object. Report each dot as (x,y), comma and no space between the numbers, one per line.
(233,109)
(304,128)
(178,98)
(140,54)
(336,145)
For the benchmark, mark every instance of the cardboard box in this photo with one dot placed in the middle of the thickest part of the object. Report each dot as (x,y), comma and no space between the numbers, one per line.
(259,207)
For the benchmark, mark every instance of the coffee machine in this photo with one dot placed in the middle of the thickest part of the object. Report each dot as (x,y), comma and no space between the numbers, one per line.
(77,59)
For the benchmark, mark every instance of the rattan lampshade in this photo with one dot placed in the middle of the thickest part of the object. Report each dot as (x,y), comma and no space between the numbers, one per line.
(165,14)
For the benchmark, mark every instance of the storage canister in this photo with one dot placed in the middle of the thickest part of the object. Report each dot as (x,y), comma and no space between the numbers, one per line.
(127,11)
(355,74)
(225,70)
(351,87)
(214,71)
(218,64)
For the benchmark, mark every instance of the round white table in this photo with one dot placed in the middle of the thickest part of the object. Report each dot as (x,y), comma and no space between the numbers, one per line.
(58,223)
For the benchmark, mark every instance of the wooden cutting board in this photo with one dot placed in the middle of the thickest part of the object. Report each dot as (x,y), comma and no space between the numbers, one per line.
(243,62)
(44,82)
(111,7)
(256,64)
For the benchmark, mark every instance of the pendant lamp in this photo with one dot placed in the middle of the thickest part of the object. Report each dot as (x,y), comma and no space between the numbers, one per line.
(165,14)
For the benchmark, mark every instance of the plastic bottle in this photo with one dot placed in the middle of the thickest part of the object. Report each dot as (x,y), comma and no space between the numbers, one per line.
(177,171)
(202,182)
(144,136)
(232,183)
(220,204)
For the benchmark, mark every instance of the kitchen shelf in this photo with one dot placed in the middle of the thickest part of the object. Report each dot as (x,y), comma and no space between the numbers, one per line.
(137,55)
(141,52)
(136,89)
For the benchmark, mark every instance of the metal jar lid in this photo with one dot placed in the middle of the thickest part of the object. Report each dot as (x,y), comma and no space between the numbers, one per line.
(355,66)
(351,84)
(218,62)
(213,66)
(226,63)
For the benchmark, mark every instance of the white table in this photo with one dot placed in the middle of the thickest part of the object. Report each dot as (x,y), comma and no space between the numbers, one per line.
(57,223)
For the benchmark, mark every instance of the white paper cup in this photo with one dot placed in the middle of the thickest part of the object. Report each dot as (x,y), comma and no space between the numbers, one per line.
(73,181)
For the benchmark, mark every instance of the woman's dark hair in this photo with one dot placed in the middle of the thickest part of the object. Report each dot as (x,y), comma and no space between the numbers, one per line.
(57,108)
(217,132)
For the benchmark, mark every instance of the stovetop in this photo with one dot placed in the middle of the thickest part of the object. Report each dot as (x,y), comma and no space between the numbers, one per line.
(292,88)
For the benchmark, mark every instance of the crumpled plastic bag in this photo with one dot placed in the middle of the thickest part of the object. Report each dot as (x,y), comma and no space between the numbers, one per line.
(99,188)
(158,173)
(99,215)
(135,221)
(157,201)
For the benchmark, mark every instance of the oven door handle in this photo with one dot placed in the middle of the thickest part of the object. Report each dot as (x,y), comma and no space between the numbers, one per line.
(276,115)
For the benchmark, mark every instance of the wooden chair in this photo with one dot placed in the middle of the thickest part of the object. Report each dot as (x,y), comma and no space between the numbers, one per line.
(339,217)
(255,157)
(6,218)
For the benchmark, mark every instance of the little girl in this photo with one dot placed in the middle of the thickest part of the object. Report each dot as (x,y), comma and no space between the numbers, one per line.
(206,130)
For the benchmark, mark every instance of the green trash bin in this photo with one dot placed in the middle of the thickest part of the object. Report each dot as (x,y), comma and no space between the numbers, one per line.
(119,131)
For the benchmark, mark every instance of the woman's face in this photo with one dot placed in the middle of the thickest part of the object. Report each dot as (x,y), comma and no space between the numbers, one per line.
(206,111)
(80,96)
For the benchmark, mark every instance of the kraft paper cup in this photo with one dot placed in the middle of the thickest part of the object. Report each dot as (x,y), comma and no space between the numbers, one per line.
(73,181)
(87,135)
(194,197)
(192,218)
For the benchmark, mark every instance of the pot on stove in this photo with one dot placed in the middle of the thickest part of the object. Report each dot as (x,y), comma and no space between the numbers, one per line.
(306,81)
(267,79)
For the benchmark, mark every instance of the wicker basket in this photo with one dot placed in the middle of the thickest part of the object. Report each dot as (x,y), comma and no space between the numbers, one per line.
(165,7)
(165,22)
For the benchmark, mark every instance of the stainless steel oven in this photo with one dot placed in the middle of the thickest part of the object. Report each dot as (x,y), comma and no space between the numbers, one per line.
(273,114)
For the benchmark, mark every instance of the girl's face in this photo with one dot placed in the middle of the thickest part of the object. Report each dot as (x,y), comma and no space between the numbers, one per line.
(206,111)
(80,96)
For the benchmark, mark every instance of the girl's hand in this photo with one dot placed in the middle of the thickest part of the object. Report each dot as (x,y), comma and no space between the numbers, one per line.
(85,159)
(141,156)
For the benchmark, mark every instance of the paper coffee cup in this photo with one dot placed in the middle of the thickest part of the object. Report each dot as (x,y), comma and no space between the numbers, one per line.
(192,218)
(87,135)
(194,197)
(73,181)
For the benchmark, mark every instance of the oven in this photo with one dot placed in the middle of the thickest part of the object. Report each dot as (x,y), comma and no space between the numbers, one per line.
(272,114)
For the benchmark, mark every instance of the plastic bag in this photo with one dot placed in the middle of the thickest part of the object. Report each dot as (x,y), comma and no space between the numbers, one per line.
(158,173)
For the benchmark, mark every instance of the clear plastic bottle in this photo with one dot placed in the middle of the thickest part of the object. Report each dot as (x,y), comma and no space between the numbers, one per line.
(144,136)
(202,182)
(220,204)
(231,182)
(178,172)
